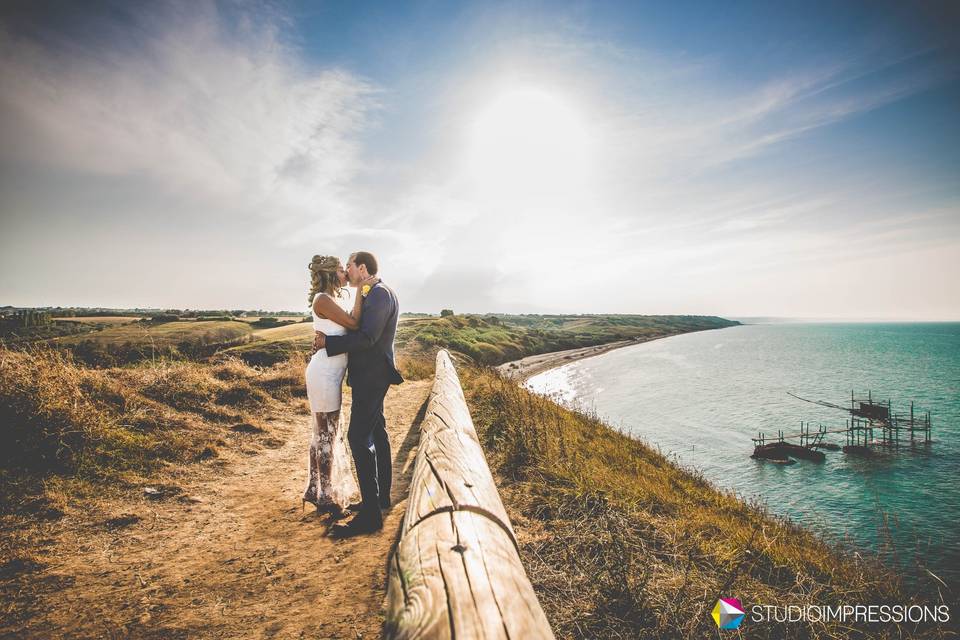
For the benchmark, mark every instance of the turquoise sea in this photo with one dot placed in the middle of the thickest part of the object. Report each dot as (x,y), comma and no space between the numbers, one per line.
(700,398)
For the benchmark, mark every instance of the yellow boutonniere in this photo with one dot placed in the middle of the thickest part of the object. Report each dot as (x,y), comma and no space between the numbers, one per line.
(365,290)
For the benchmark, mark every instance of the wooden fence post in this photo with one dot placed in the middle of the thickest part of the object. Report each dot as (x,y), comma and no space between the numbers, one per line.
(456,572)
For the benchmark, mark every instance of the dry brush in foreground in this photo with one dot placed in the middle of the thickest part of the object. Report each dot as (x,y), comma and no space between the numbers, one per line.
(67,430)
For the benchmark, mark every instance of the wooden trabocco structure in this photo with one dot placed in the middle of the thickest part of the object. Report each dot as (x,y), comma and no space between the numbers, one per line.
(456,571)
(780,450)
(873,427)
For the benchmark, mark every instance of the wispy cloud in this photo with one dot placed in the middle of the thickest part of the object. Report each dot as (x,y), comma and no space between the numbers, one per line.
(190,101)
(712,122)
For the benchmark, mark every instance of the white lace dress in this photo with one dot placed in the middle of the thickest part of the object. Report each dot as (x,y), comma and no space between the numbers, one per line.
(330,482)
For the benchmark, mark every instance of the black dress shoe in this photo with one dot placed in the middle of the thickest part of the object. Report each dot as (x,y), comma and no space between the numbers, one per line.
(359,525)
(357,507)
(330,508)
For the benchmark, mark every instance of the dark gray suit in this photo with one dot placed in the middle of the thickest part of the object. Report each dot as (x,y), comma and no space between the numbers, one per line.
(371,369)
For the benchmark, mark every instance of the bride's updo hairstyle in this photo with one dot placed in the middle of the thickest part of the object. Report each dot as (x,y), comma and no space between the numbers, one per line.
(323,276)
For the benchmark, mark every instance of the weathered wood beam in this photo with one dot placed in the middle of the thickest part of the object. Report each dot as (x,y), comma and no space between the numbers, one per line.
(456,571)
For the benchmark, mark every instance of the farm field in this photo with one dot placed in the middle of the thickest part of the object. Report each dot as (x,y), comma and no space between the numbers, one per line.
(105,320)
(301,330)
(164,334)
(273,344)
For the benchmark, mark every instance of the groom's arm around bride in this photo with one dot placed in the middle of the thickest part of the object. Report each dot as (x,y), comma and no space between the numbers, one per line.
(370,347)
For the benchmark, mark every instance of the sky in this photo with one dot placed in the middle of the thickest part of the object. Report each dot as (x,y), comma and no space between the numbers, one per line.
(796,159)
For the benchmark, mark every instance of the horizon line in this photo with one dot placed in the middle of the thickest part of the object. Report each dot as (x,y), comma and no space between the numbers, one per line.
(745,318)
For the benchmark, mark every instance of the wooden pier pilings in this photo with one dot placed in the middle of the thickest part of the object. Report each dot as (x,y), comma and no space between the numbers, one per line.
(456,571)
(896,431)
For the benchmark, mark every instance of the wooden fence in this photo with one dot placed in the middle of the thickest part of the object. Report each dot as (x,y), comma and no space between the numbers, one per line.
(456,571)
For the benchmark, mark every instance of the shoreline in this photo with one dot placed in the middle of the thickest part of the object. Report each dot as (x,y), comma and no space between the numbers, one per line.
(525,368)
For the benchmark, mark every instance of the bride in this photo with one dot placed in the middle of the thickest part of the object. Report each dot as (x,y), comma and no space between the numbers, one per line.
(330,485)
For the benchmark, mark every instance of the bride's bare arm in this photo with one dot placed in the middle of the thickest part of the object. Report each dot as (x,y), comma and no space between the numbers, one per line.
(358,299)
(325,307)
(357,305)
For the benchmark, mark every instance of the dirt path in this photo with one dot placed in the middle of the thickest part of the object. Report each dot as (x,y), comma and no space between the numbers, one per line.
(232,556)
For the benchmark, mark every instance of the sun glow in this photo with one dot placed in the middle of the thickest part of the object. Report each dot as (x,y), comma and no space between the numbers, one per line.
(528,142)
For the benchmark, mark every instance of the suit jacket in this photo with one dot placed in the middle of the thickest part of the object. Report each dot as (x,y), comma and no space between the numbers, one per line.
(370,348)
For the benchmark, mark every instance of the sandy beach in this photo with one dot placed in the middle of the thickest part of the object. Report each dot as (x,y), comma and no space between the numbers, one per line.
(526,368)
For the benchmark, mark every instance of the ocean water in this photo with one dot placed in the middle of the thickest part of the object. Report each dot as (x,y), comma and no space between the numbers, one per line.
(701,397)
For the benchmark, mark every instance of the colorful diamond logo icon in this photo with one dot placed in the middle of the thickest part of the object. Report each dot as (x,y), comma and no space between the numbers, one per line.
(728,613)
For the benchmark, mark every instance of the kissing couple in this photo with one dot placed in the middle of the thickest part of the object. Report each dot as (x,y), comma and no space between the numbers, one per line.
(353,334)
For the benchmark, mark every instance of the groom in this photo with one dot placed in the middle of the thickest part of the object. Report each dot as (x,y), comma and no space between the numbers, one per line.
(370,372)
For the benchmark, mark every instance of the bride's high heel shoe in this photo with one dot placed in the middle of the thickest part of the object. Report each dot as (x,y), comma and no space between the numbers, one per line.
(304,499)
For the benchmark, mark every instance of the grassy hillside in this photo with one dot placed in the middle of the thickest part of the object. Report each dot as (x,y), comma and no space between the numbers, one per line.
(13,333)
(495,339)
(301,331)
(489,339)
(123,343)
(67,429)
(104,320)
(164,334)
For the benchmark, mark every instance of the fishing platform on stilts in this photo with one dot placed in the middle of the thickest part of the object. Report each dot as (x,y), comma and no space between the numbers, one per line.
(873,429)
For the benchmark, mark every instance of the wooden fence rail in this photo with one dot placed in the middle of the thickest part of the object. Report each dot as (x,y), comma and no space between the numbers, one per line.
(456,571)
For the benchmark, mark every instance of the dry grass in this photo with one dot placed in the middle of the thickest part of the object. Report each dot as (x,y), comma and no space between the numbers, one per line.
(620,543)
(66,429)
(301,331)
(415,367)
(74,440)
